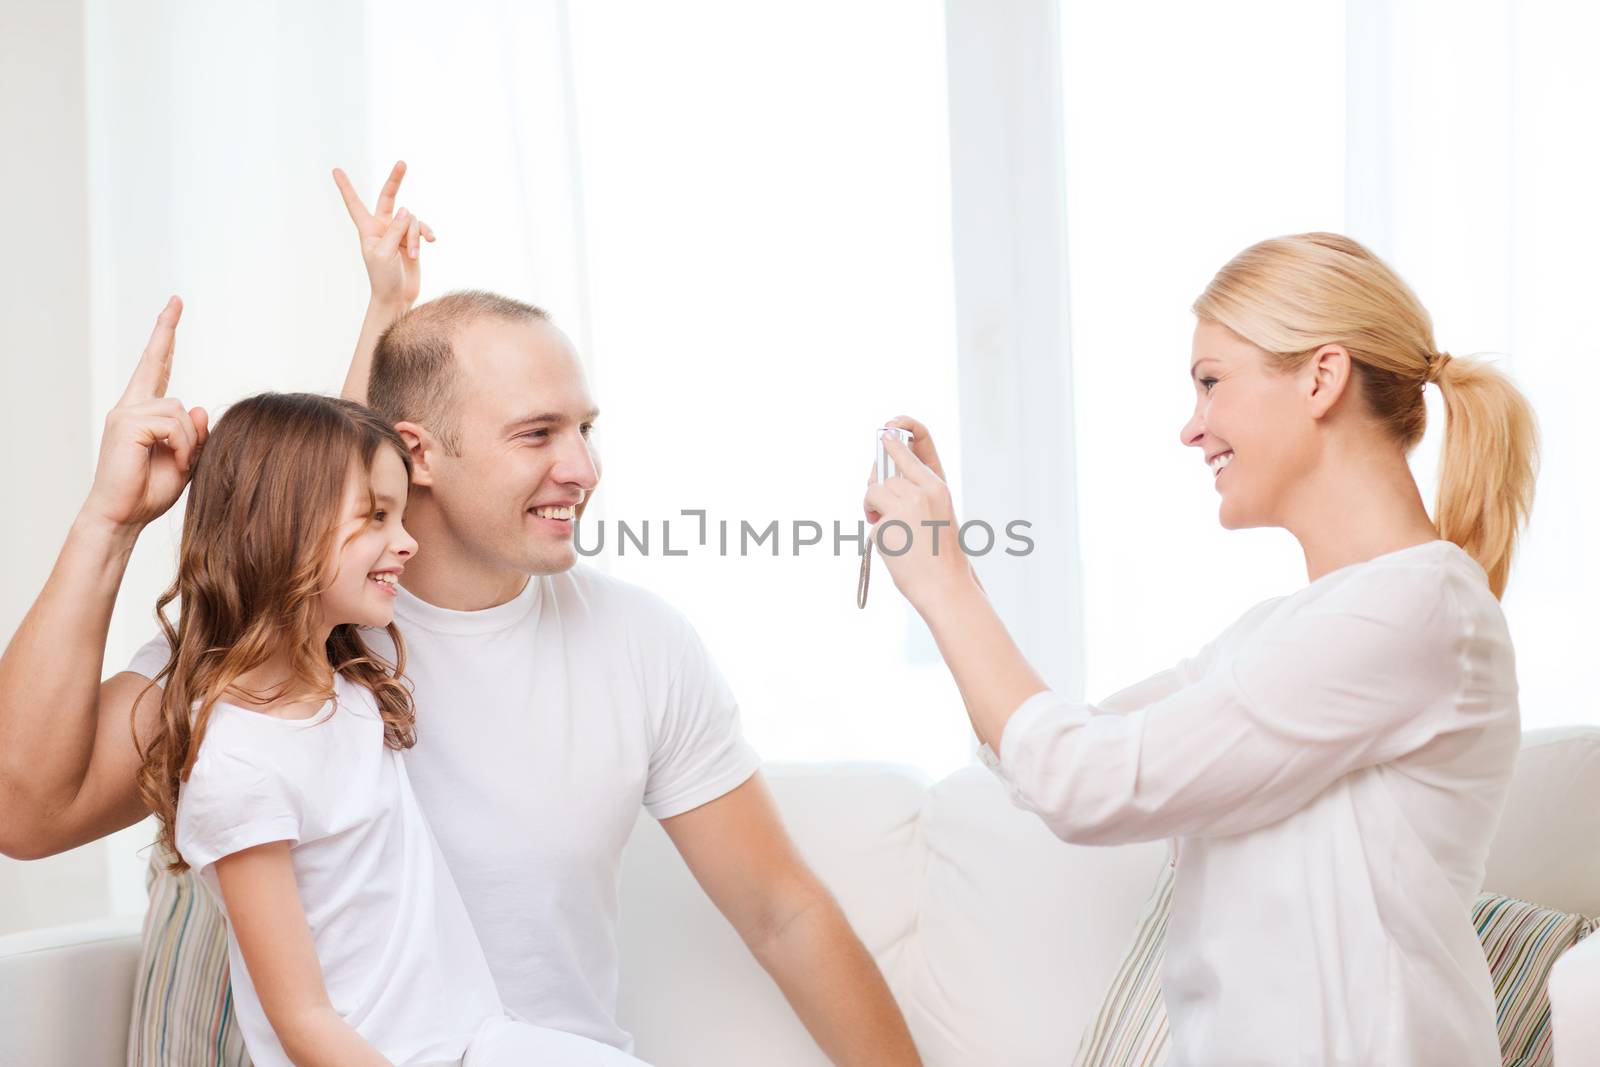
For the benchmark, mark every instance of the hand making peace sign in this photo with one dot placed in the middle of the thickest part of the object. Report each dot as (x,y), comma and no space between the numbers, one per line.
(391,242)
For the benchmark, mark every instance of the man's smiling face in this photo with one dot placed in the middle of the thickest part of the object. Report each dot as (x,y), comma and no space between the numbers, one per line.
(525,467)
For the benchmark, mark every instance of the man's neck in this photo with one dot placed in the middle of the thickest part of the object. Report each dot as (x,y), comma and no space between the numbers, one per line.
(444,573)
(459,585)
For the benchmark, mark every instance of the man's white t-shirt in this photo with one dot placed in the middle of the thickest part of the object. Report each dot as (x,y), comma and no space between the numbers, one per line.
(542,726)
(400,960)
(1332,768)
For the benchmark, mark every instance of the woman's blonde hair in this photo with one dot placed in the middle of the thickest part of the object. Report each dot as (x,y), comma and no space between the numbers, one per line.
(1291,295)
(258,532)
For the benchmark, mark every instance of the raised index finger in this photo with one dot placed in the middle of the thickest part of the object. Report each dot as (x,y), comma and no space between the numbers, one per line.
(352,199)
(155,365)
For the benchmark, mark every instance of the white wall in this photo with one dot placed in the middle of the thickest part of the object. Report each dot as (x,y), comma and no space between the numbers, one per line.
(44,407)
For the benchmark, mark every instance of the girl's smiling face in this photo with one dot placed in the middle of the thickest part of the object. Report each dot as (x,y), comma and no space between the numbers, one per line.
(1255,426)
(371,545)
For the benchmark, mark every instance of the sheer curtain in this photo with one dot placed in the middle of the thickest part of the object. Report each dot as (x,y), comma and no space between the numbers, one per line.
(767,200)
(1191,131)
(1475,160)
(1458,142)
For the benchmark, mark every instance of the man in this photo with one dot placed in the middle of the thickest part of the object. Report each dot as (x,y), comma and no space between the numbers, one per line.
(553,700)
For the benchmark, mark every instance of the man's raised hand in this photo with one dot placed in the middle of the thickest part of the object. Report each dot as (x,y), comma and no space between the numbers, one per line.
(391,241)
(151,441)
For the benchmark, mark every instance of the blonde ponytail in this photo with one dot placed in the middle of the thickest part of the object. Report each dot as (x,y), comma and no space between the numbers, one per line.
(1291,295)
(1490,462)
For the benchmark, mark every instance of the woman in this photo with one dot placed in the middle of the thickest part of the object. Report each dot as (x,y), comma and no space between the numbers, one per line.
(1331,767)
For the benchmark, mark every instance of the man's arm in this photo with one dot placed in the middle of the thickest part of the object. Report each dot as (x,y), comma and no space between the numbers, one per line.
(742,857)
(67,759)
(391,249)
(267,918)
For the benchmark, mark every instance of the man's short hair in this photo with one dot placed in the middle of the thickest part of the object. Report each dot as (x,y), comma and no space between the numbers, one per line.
(414,374)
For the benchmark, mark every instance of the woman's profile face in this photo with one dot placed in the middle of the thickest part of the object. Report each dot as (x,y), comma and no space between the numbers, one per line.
(1251,424)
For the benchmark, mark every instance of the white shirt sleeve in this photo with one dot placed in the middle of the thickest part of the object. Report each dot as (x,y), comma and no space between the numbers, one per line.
(1359,677)
(698,750)
(1185,672)
(151,657)
(232,802)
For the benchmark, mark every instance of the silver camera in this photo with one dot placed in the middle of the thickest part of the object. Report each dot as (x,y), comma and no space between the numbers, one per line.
(886,468)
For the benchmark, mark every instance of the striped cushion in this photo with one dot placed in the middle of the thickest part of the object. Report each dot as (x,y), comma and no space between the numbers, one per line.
(1131,1029)
(182,1007)
(1520,940)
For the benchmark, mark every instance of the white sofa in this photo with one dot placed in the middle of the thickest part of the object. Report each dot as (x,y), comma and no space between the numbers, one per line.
(997,938)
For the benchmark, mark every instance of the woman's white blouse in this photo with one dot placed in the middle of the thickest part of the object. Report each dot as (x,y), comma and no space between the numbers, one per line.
(1332,768)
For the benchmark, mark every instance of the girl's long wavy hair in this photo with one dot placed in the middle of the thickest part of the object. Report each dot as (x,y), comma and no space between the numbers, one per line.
(258,540)
(1291,295)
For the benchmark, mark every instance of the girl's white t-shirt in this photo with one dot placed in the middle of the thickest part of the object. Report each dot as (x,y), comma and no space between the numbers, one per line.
(400,959)
(1332,769)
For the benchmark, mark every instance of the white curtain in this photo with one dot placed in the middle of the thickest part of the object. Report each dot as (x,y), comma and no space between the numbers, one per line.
(1458,141)
(1014,310)
(1475,151)
(1192,130)
(766,189)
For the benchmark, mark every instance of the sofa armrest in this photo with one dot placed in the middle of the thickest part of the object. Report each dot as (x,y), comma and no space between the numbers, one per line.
(66,993)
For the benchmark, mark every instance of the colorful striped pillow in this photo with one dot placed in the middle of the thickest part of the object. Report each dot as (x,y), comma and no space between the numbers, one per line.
(182,1006)
(1520,940)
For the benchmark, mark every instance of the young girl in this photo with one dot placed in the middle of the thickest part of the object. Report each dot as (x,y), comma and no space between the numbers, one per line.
(1332,767)
(275,767)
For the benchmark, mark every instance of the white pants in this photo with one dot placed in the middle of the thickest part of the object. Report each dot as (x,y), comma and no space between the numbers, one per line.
(1575,1003)
(505,1042)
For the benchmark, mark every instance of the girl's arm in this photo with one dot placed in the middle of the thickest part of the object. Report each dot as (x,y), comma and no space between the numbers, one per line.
(391,247)
(263,905)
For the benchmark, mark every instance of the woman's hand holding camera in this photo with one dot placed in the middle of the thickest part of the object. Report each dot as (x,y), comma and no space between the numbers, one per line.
(922,551)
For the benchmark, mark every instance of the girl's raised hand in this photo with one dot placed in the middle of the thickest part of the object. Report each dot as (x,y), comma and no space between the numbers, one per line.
(391,242)
(151,441)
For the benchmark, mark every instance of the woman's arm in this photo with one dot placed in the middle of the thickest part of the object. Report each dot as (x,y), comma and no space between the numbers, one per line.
(990,671)
(269,922)
(934,574)
(391,248)
(1362,678)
